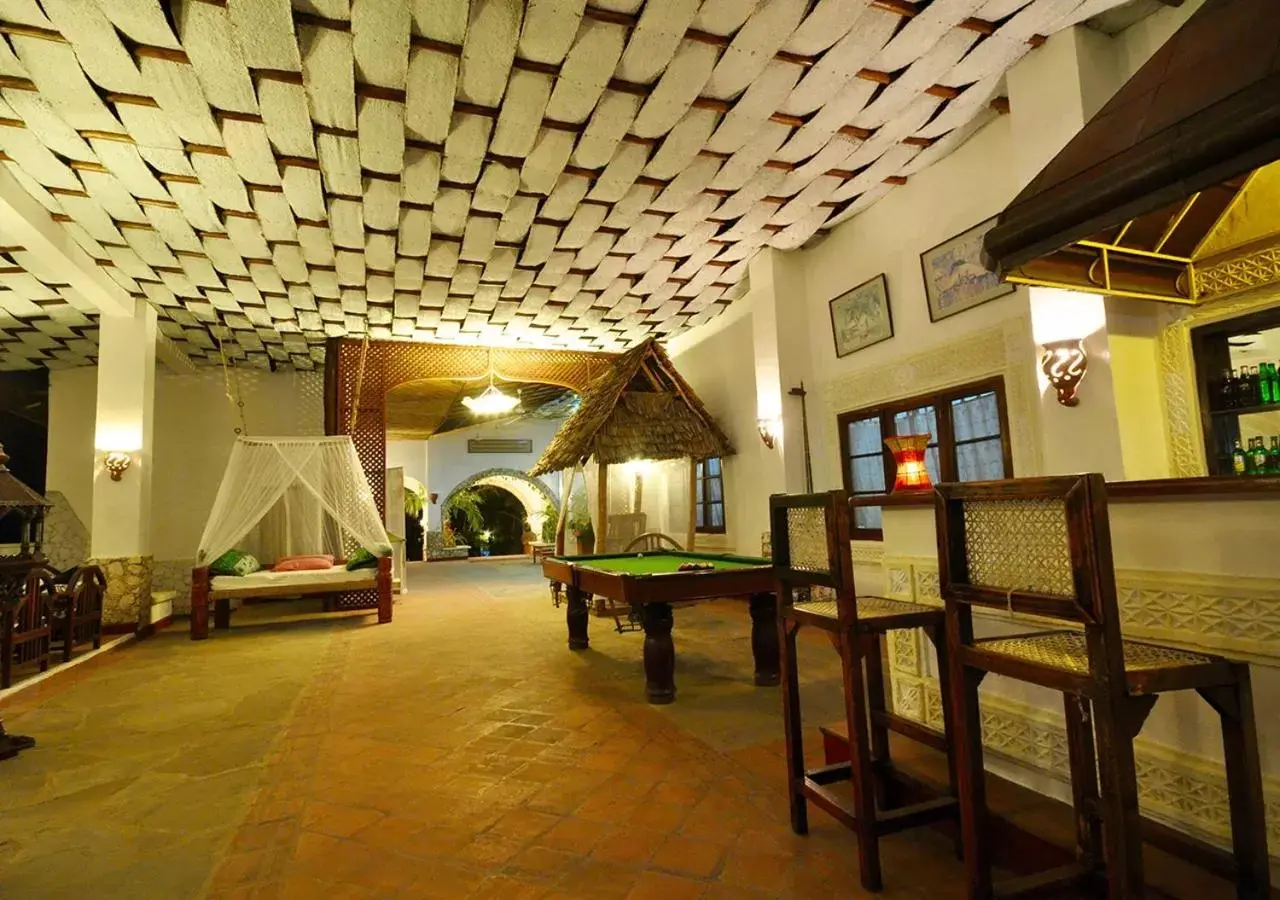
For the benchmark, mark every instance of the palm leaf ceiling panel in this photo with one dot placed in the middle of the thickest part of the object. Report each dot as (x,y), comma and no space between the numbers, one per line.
(554,173)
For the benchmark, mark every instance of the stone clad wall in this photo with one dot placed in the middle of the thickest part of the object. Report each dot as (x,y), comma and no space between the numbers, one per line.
(128,590)
(66,540)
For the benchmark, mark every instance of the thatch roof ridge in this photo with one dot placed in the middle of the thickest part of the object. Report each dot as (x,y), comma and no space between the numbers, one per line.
(615,424)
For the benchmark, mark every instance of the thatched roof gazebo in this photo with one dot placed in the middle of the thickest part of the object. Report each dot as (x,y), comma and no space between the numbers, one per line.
(639,409)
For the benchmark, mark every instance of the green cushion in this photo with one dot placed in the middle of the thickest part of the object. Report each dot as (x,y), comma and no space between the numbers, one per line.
(234,562)
(362,559)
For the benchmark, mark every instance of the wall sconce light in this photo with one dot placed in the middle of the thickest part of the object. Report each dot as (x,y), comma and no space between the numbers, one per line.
(769,427)
(908,455)
(117,462)
(1064,363)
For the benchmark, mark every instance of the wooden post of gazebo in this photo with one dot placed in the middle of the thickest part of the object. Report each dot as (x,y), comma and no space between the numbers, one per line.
(691,534)
(602,506)
(563,518)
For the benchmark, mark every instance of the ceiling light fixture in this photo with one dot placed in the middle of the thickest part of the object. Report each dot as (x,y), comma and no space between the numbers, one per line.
(492,402)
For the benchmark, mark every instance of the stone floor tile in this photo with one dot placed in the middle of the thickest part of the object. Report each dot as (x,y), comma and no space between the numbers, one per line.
(657,886)
(687,856)
(595,879)
(489,851)
(505,887)
(575,835)
(337,821)
(541,862)
(629,845)
(461,751)
(524,823)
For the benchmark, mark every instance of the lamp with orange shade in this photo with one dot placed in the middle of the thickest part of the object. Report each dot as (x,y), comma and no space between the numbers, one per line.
(908,455)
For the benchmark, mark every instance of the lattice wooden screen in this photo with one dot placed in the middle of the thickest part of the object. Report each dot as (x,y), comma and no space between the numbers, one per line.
(351,384)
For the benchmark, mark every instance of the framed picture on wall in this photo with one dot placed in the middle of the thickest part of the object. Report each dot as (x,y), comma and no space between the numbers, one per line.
(955,278)
(861,317)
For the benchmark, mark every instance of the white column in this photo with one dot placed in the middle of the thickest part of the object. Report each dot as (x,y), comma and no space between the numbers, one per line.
(1085,437)
(1053,92)
(782,359)
(120,537)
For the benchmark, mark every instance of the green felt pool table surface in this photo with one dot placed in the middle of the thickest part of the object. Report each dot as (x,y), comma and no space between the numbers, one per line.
(662,562)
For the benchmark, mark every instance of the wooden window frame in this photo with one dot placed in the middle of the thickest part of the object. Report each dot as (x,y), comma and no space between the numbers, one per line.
(941,400)
(702,479)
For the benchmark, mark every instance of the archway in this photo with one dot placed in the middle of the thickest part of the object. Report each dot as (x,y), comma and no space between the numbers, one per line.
(534,495)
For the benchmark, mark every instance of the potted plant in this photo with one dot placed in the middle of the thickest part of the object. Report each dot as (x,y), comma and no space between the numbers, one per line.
(414,503)
(463,517)
(580,524)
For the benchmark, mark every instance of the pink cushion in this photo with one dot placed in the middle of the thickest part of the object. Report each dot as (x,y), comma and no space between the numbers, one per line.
(303,563)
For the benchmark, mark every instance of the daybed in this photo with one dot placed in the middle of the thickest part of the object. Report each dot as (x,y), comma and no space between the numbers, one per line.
(283,497)
(342,589)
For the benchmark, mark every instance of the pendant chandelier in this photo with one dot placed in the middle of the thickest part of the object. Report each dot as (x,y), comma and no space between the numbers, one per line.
(492,402)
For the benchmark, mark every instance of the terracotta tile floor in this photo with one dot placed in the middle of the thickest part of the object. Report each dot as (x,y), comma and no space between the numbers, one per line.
(461,751)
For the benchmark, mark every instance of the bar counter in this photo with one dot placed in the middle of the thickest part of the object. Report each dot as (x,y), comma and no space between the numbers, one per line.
(1196,567)
(1247,487)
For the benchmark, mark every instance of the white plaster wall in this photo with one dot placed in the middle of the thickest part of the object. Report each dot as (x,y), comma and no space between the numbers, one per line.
(965,189)
(449,463)
(720,368)
(194,433)
(410,456)
(73,401)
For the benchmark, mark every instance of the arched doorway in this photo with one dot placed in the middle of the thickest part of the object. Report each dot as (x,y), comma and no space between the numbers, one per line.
(533,495)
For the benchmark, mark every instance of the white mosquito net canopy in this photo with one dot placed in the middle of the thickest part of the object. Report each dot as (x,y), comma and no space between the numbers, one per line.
(288,496)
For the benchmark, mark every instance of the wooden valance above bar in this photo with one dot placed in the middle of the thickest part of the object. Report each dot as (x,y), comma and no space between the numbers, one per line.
(1166,489)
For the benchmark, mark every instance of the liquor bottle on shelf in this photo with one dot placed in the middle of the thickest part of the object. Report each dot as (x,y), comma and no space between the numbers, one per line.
(1273,456)
(1245,388)
(1275,382)
(1257,457)
(1264,384)
(1226,398)
(1239,459)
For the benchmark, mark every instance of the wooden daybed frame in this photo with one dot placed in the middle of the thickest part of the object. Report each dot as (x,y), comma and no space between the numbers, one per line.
(361,580)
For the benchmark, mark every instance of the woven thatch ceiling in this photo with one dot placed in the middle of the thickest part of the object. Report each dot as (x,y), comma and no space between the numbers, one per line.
(418,409)
(556,172)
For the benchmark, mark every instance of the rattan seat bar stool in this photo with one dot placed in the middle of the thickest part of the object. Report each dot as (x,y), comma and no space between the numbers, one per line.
(1042,547)
(813,564)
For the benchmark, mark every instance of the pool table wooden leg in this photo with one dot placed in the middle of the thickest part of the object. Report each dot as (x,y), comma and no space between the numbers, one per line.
(764,638)
(577,616)
(659,653)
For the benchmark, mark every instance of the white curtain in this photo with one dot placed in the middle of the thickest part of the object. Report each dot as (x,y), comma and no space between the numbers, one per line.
(289,496)
(664,499)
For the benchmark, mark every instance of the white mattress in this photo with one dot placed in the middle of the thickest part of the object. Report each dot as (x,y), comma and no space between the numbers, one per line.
(306,580)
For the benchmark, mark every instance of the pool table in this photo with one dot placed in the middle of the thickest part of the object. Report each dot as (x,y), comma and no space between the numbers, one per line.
(651,582)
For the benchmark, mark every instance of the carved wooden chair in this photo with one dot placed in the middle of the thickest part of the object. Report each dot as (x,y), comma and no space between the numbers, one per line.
(623,528)
(813,562)
(1042,546)
(652,541)
(76,611)
(24,625)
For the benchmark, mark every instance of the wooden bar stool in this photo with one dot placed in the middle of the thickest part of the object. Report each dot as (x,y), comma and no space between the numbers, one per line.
(813,563)
(1042,546)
